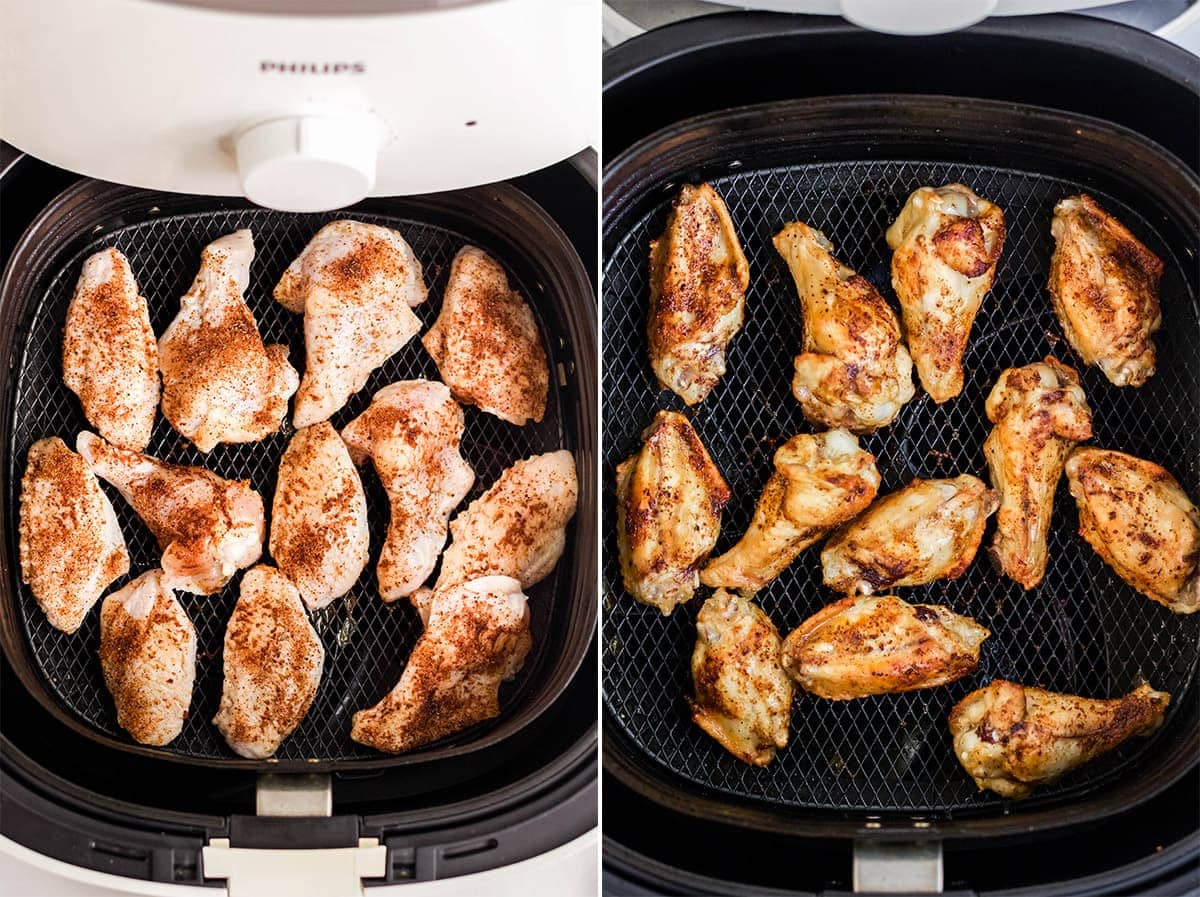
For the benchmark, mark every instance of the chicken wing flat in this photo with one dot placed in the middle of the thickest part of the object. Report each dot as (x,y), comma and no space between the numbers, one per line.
(71,546)
(486,344)
(854,371)
(946,243)
(148,657)
(1104,285)
(669,501)
(928,530)
(1137,517)
(698,281)
(1040,413)
(881,645)
(220,382)
(207,527)
(477,637)
(743,699)
(110,356)
(819,482)
(1011,738)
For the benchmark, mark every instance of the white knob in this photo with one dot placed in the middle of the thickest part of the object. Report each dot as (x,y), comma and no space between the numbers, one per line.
(917,16)
(308,164)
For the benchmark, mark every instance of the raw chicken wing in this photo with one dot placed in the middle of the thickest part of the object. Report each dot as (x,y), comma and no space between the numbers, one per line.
(207,527)
(71,546)
(854,371)
(819,482)
(1012,738)
(928,530)
(1039,412)
(220,383)
(1138,518)
(110,357)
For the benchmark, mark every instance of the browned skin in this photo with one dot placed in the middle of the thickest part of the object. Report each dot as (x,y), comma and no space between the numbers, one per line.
(486,343)
(1040,413)
(698,281)
(670,496)
(1104,285)
(1138,518)
(881,645)
(1011,738)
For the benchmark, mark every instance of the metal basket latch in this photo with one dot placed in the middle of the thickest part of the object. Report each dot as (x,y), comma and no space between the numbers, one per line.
(897,867)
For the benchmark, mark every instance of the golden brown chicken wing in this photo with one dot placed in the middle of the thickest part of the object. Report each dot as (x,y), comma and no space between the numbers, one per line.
(819,482)
(1138,518)
(698,280)
(743,699)
(928,530)
(669,501)
(1104,285)
(881,645)
(1012,738)
(854,371)
(1039,412)
(945,243)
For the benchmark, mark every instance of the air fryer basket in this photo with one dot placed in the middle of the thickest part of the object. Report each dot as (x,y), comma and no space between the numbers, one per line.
(846,165)
(366,641)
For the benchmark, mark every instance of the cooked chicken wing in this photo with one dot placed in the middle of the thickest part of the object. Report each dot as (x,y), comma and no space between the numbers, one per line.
(1104,284)
(71,546)
(220,383)
(669,501)
(854,371)
(411,432)
(477,637)
(110,356)
(945,243)
(1039,412)
(743,699)
(1011,738)
(148,657)
(698,281)
(486,344)
(1138,518)
(319,535)
(273,661)
(207,527)
(819,482)
(928,530)
(356,285)
(881,645)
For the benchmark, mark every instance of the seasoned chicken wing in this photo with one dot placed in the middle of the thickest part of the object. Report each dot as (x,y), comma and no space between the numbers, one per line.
(819,482)
(477,637)
(1104,285)
(220,383)
(319,535)
(743,699)
(356,285)
(1039,412)
(71,545)
(1138,518)
(411,432)
(670,496)
(928,530)
(110,356)
(853,371)
(207,527)
(881,645)
(148,657)
(273,661)
(698,281)
(486,344)
(1011,738)
(946,243)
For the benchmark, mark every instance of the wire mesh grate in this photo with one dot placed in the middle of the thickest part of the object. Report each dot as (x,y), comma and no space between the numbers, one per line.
(1082,631)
